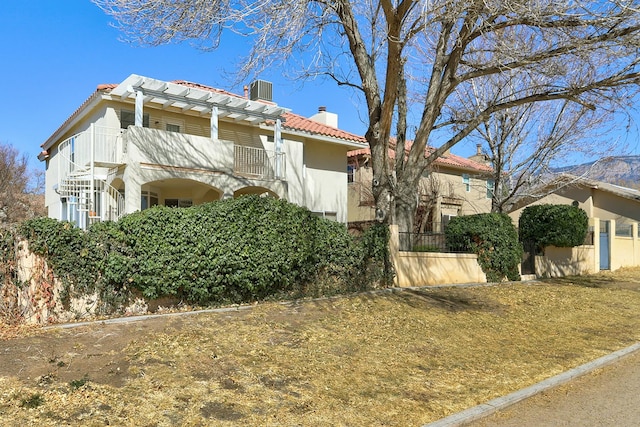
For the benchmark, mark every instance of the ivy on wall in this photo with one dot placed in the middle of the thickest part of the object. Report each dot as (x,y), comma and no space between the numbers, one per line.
(493,237)
(229,251)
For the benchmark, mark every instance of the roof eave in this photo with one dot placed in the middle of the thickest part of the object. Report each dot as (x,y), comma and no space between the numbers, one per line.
(329,139)
(77,115)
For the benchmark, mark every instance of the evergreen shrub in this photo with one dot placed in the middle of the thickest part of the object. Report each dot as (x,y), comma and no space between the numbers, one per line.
(493,238)
(230,251)
(553,225)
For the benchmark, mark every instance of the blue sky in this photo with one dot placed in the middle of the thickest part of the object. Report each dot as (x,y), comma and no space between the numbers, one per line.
(55,52)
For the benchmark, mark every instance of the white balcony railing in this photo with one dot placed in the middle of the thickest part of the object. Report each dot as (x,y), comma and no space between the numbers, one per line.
(91,198)
(104,145)
(258,163)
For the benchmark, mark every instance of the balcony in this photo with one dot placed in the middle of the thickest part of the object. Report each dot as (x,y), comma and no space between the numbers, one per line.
(110,147)
(194,152)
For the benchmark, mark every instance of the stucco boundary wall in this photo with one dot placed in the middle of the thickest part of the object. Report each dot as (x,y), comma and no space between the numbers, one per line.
(37,298)
(624,251)
(560,262)
(432,268)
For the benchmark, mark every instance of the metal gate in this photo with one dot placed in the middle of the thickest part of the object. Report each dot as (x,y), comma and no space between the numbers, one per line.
(604,245)
(528,265)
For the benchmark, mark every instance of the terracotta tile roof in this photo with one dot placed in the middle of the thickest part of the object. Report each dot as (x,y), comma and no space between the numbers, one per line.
(107,86)
(299,123)
(291,121)
(450,160)
(205,87)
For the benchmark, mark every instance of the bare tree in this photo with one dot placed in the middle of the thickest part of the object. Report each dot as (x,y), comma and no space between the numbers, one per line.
(18,200)
(523,142)
(408,59)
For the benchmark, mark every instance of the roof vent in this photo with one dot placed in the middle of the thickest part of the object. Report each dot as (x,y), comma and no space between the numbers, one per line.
(261,90)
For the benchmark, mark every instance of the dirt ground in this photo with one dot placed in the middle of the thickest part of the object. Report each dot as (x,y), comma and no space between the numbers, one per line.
(72,354)
(393,359)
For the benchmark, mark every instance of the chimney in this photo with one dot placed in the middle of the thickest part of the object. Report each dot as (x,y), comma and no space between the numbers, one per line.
(324,117)
(478,149)
(246,91)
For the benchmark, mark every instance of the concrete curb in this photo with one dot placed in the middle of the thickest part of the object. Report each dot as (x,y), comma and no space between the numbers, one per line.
(485,409)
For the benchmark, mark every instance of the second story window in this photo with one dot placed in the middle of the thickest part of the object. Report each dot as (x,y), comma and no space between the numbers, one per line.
(128,118)
(466,181)
(491,188)
(351,169)
(173,128)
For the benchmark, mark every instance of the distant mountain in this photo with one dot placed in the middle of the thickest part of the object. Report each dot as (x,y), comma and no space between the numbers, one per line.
(618,170)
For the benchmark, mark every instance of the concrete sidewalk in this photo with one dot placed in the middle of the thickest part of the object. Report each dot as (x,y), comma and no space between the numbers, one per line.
(608,397)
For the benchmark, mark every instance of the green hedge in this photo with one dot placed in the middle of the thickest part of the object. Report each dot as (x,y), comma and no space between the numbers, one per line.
(230,251)
(493,238)
(553,225)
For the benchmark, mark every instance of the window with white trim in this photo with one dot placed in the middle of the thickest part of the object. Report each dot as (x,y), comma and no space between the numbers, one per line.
(351,169)
(466,181)
(148,199)
(171,127)
(491,188)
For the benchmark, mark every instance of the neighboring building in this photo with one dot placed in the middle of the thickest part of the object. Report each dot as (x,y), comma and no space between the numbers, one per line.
(613,211)
(453,186)
(598,199)
(145,142)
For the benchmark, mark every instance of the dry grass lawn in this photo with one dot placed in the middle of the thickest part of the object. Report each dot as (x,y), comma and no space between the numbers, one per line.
(386,359)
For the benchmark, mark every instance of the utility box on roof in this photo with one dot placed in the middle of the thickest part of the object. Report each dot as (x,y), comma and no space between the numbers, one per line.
(261,90)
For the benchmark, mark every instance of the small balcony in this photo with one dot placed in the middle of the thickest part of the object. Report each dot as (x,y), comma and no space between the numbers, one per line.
(110,147)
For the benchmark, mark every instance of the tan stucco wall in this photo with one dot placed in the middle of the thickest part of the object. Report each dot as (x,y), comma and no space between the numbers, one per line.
(325,175)
(315,169)
(449,184)
(428,268)
(625,251)
(560,262)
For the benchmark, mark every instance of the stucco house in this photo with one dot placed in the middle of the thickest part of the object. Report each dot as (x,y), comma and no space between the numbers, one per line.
(613,211)
(145,142)
(453,186)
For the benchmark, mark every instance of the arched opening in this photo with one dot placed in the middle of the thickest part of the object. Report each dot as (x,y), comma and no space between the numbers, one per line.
(177,192)
(260,191)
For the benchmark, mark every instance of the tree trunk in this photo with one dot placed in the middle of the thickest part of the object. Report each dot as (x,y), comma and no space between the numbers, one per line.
(405,213)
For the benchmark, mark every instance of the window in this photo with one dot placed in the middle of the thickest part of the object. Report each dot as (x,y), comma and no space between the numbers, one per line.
(173,128)
(624,230)
(350,173)
(333,216)
(491,187)
(148,199)
(178,203)
(128,118)
(445,221)
(466,181)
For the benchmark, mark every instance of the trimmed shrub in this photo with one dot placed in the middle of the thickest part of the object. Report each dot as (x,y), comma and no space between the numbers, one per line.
(231,251)
(553,225)
(493,238)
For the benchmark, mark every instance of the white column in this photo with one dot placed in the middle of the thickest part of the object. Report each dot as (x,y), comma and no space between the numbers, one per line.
(214,123)
(92,196)
(277,138)
(139,108)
